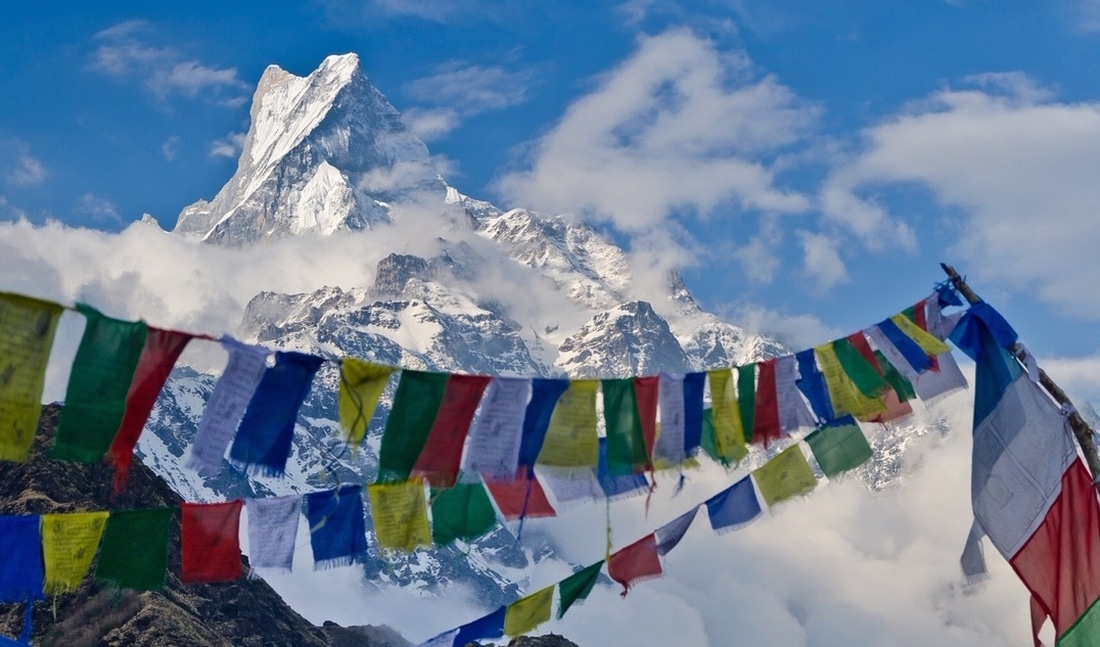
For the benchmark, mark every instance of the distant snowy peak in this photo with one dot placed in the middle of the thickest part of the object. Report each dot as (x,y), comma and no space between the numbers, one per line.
(324,153)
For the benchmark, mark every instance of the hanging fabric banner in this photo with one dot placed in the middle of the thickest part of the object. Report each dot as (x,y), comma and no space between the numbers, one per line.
(226,404)
(536,420)
(577,586)
(839,446)
(133,553)
(625,442)
(746,398)
(646,395)
(694,390)
(939,324)
(95,400)
(439,459)
(210,550)
(618,486)
(27,328)
(934,385)
(69,543)
(158,357)
(908,352)
(525,614)
(571,438)
(670,534)
(845,395)
(897,398)
(786,476)
(461,512)
(793,412)
(445,639)
(418,396)
(635,563)
(710,448)
(273,531)
(361,385)
(766,428)
(492,447)
(812,383)
(264,438)
(571,485)
(400,515)
(860,369)
(20,558)
(668,450)
(729,435)
(337,529)
(489,626)
(523,497)
(928,342)
(733,507)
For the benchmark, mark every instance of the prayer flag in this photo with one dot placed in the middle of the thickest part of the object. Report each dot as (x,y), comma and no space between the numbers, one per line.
(733,507)
(492,447)
(415,404)
(729,435)
(133,553)
(940,325)
(845,395)
(785,476)
(839,446)
(897,381)
(617,486)
(928,342)
(933,385)
(361,385)
(210,550)
(860,369)
(489,626)
(746,398)
(812,383)
(158,356)
(694,388)
(400,514)
(625,443)
(635,563)
(569,485)
(793,412)
(529,612)
(95,400)
(439,459)
(670,534)
(227,404)
(266,432)
(646,395)
(445,639)
(522,497)
(536,420)
(577,586)
(571,438)
(337,530)
(710,448)
(273,531)
(908,352)
(461,512)
(766,427)
(27,328)
(669,448)
(69,543)
(20,558)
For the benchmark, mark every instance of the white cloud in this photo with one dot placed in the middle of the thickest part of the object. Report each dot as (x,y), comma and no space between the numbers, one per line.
(170,147)
(340,13)
(460,91)
(229,146)
(1078,376)
(1085,15)
(19,167)
(99,208)
(431,124)
(678,125)
(821,259)
(796,331)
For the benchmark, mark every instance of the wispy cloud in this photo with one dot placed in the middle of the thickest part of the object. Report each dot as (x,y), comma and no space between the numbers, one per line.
(98,208)
(229,146)
(170,147)
(821,260)
(1085,15)
(458,91)
(19,167)
(340,13)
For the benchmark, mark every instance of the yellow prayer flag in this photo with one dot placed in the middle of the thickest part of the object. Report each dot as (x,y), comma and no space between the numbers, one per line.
(924,339)
(27,328)
(572,439)
(525,614)
(787,475)
(845,396)
(729,434)
(361,384)
(69,542)
(400,514)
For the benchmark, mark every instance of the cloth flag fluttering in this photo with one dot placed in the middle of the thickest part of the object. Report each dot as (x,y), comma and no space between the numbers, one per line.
(571,439)
(337,528)
(210,550)
(272,531)
(577,586)
(415,404)
(626,446)
(69,543)
(27,328)
(20,558)
(635,563)
(492,446)
(133,552)
(786,475)
(672,532)
(839,446)
(528,612)
(442,452)
(733,507)
(400,515)
(461,512)
(361,385)
(669,449)
(488,626)
(520,498)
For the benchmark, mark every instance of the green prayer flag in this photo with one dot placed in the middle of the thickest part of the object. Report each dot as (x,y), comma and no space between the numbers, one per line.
(839,448)
(133,553)
(786,475)
(707,441)
(859,370)
(897,381)
(100,380)
(419,394)
(27,328)
(577,586)
(746,397)
(625,441)
(461,512)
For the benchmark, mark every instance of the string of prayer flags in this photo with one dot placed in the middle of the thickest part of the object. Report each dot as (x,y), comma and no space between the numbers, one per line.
(337,530)
(95,399)
(646,395)
(69,543)
(766,427)
(520,498)
(785,476)
(523,615)
(844,393)
(461,512)
(227,403)
(729,434)
(635,563)
(545,393)
(417,400)
(793,412)
(210,549)
(694,387)
(487,626)
(27,328)
(158,356)
(133,552)
(746,398)
(439,459)
(273,531)
(670,534)
(625,443)
(577,586)
(20,558)
(616,486)
(492,446)
(669,448)
(733,507)
(571,438)
(811,383)
(839,446)
(400,515)
(361,385)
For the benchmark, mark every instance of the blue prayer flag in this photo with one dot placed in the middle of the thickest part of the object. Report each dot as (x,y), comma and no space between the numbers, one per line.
(615,485)
(914,355)
(490,626)
(21,572)
(694,385)
(337,529)
(812,384)
(733,507)
(536,420)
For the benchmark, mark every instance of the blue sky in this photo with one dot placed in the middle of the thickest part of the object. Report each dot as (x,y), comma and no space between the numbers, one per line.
(806,164)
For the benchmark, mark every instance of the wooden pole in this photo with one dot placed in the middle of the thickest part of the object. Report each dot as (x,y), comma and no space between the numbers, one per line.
(1081,430)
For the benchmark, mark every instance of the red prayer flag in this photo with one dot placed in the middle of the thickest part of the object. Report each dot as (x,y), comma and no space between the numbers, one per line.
(645,395)
(439,459)
(765,421)
(859,342)
(635,563)
(158,356)
(209,545)
(523,497)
